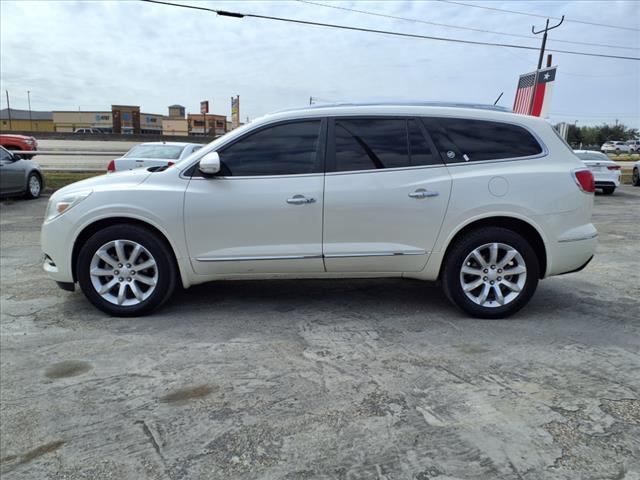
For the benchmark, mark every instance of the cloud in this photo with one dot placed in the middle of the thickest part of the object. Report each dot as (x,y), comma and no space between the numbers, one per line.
(94,54)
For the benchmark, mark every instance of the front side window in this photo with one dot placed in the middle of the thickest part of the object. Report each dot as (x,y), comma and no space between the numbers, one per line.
(367,144)
(466,140)
(286,149)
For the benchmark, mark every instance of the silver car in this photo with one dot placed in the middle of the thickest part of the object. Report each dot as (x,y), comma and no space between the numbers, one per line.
(19,176)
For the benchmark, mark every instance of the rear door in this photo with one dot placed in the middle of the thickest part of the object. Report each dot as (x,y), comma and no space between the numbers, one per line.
(386,194)
(263,212)
(12,175)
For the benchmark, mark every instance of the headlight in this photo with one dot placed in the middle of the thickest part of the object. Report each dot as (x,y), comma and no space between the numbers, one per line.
(57,206)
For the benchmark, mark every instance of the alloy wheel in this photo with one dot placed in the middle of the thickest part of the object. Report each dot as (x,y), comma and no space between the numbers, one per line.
(34,186)
(493,275)
(123,272)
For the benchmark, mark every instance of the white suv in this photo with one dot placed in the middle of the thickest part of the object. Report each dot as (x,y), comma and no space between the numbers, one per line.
(486,201)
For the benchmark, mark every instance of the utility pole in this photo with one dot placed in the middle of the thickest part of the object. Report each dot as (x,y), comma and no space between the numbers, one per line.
(29,101)
(9,110)
(544,38)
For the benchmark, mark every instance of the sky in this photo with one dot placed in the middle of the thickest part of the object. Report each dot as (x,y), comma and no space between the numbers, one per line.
(92,54)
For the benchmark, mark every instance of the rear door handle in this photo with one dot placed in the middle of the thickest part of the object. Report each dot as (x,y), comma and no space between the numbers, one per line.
(422,193)
(300,200)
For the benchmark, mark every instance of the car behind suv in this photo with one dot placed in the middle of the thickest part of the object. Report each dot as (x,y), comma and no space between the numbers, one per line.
(486,201)
(616,147)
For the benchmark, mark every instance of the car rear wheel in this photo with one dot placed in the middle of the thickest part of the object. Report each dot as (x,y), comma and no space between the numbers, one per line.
(34,186)
(126,270)
(490,273)
(617,151)
(636,177)
(608,190)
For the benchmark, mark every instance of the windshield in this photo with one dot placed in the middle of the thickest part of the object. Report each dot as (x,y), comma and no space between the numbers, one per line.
(170,152)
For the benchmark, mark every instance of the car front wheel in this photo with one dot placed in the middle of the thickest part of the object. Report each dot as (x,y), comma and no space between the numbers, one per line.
(636,177)
(126,270)
(491,273)
(34,186)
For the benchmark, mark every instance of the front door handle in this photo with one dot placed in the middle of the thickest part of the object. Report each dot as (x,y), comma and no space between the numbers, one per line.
(300,200)
(422,193)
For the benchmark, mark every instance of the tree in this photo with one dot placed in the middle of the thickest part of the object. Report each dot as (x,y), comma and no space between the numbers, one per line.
(597,135)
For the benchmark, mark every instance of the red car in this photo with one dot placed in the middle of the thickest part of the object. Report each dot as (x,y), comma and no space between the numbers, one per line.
(19,142)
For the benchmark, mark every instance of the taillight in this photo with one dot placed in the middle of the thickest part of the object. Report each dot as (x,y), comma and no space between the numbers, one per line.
(584,179)
(111,167)
(614,167)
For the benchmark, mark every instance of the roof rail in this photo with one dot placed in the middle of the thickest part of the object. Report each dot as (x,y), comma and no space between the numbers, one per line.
(404,103)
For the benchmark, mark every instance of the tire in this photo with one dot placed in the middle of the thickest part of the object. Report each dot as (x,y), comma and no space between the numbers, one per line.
(608,190)
(34,186)
(617,151)
(154,262)
(635,179)
(461,254)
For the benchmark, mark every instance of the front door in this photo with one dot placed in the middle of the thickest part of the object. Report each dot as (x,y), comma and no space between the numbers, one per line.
(386,195)
(11,173)
(263,212)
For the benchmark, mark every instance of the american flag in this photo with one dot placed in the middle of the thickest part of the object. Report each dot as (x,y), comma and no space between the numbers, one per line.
(524,94)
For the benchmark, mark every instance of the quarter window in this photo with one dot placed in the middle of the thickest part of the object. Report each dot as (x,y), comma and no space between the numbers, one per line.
(476,140)
(286,149)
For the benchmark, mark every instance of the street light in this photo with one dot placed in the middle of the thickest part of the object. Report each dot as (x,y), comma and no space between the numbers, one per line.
(29,102)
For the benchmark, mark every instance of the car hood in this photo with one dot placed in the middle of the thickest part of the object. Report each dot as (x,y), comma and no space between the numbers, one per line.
(111,181)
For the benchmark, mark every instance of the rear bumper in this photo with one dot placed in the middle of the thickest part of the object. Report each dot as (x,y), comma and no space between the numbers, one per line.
(573,251)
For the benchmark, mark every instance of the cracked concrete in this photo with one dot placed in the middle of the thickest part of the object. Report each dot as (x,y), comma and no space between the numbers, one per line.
(349,379)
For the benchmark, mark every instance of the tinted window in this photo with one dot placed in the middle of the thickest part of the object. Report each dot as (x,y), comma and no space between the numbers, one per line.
(366,144)
(420,150)
(281,150)
(482,140)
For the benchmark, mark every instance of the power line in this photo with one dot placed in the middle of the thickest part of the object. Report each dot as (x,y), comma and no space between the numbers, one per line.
(383,32)
(633,29)
(481,30)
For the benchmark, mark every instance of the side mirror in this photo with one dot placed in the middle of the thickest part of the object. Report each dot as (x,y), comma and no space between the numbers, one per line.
(210,163)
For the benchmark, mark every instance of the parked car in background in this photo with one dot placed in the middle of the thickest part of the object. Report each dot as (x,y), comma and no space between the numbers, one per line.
(635,176)
(606,172)
(18,142)
(153,154)
(488,202)
(616,147)
(88,131)
(634,145)
(19,176)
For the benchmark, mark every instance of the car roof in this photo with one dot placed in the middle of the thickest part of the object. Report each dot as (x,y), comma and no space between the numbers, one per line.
(177,144)
(403,108)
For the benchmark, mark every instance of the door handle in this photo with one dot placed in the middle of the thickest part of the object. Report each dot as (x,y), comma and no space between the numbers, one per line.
(300,200)
(422,193)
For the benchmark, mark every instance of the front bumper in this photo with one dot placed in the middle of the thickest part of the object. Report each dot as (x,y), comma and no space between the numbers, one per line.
(57,249)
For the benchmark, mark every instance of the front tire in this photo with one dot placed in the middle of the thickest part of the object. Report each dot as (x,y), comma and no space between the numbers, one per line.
(34,186)
(608,190)
(490,273)
(636,177)
(126,270)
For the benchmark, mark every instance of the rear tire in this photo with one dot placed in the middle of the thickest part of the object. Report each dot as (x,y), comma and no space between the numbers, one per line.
(126,270)
(636,177)
(34,186)
(608,190)
(497,293)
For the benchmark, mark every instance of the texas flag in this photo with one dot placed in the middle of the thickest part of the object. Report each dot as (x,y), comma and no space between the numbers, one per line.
(533,95)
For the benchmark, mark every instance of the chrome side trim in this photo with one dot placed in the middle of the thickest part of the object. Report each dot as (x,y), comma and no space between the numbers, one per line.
(374,254)
(588,237)
(304,257)
(251,259)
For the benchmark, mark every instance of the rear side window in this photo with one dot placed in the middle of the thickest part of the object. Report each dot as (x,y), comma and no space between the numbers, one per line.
(465,140)
(378,143)
(286,149)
